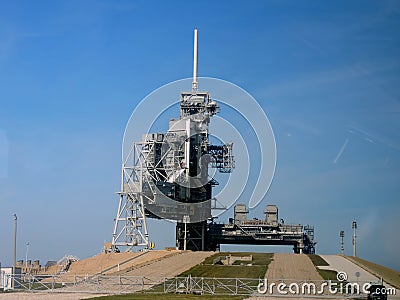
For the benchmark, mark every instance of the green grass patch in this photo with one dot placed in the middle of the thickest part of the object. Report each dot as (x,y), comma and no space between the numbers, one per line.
(218,271)
(167,297)
(389,275)
(328,274)
(325,274)
(258,258)
(257,269)
(317,260)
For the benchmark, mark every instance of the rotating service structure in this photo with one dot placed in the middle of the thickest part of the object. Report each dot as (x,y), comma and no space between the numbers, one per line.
(166,176)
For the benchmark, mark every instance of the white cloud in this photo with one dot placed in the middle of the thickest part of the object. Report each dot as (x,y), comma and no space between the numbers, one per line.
(341,151)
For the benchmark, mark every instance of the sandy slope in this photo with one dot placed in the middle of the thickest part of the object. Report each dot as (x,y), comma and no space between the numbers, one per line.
(292,266)
(171,266)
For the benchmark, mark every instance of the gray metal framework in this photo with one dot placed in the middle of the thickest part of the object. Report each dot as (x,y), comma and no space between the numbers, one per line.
(179,285)
(130,227)
(270,231)
(166,175)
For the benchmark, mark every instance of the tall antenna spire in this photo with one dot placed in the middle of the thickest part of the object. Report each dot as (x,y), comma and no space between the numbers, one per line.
(195,83)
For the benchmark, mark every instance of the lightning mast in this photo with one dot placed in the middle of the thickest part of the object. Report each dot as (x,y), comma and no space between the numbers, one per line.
(195,61)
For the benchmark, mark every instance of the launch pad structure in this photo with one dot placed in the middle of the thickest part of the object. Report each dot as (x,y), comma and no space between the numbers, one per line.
(166,176)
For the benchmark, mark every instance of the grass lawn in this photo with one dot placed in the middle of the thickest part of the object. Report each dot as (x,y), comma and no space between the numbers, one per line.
(390,276)
(258,267)
(317,260)
(328,274)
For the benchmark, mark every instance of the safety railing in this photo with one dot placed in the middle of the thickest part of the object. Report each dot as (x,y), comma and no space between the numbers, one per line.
(187,285)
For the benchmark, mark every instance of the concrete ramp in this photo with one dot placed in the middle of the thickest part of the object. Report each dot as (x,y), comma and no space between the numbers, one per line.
(292,267)
(170,266)
(114,263)
(340,264)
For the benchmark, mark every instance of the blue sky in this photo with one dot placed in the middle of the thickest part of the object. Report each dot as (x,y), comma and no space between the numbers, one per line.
(326,74)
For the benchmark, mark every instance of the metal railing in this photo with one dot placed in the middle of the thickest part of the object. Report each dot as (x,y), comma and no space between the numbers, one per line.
(86,284)
(183,285)
(212,286)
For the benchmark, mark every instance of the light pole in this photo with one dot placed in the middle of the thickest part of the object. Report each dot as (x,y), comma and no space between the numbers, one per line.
(26,255)
(15,249)
(342,242)
(15,241)
(354,226)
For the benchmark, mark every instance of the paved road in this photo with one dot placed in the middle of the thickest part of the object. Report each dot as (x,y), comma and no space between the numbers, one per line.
(340,264)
